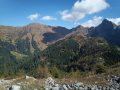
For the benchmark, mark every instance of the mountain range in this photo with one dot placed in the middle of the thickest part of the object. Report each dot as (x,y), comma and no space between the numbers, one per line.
(40,36)
(37,49)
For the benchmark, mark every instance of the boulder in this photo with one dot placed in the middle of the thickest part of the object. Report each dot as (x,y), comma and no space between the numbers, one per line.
(14,87)
(56,87)
(49,83)
(28,77)
(65,87)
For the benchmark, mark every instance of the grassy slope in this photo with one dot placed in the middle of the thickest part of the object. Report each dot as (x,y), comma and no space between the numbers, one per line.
(18,56)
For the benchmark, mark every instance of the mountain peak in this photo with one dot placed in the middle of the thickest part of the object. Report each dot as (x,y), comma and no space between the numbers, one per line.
(77,27)
(80,26)
(106,22)
(36,25)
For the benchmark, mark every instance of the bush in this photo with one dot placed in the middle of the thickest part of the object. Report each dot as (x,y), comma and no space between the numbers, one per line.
(55,72)
(42,72)
(99,68)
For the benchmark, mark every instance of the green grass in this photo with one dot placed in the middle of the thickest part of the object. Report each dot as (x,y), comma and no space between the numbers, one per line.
(18,56)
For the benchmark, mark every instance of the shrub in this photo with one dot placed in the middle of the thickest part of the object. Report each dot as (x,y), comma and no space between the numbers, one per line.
(55,72)
(99,68)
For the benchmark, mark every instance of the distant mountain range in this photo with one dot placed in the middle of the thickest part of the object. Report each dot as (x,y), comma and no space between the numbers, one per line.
(40,36)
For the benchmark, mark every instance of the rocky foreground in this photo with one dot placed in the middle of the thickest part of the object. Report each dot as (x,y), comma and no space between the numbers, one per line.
(114,84)
(30,83)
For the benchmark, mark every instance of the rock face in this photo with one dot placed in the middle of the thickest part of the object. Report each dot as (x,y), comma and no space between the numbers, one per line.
(113,84)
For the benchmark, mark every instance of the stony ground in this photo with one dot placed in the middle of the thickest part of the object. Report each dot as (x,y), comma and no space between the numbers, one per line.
(30,83)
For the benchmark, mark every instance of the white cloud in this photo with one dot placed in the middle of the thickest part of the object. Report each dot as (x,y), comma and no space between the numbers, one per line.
(95,21)
(33,16)
(76,23)
(115,20)
(82,8)
(48,18)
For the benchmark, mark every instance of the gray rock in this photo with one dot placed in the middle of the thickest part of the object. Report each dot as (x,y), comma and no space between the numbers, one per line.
(56,87)
(69,87)
(49,83)
(14,87)
(114,84)
(65,87)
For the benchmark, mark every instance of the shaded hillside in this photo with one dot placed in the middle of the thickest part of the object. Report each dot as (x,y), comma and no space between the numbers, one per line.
(82,54)
(59,32)
(7,63)
(107,30)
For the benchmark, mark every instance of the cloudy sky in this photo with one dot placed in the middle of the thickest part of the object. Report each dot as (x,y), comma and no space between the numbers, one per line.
(67,13)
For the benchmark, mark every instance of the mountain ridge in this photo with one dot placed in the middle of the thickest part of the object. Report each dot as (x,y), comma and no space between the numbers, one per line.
(107,30)
(40,36)
(38,50)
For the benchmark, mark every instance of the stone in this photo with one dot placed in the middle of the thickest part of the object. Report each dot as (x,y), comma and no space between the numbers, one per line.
(81,88)
(79,84)
(113,84)
(56,87)
(35,89)
(49,83)
(14,87)
(65,87)
(69,87)
(28,77)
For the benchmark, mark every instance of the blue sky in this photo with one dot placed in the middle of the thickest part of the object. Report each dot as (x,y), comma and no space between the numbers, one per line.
(67,13)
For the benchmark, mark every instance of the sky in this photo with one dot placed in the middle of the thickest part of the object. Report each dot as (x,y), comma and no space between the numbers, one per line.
(67,13)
